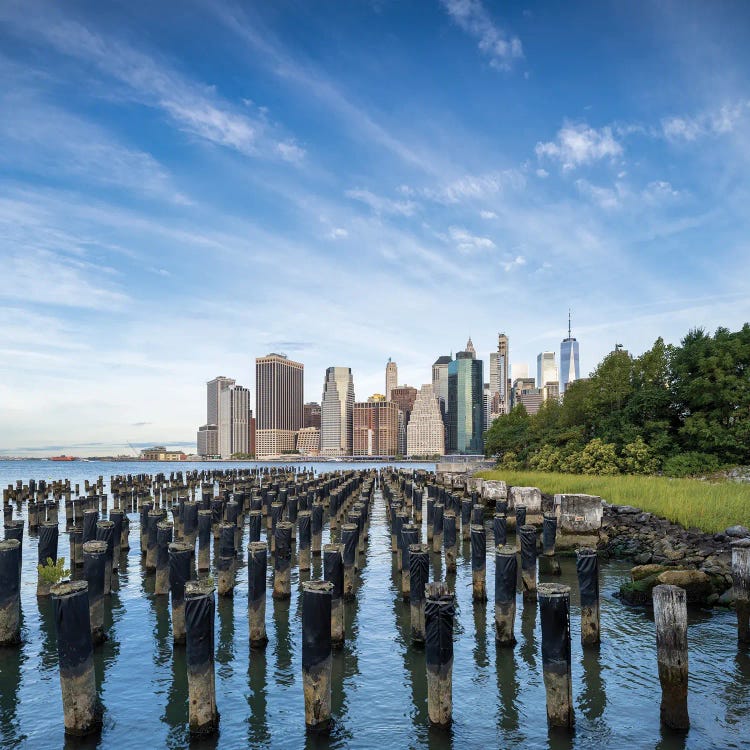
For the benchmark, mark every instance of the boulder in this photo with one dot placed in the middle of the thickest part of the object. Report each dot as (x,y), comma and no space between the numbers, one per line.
(696,583)
(639,572)
(737,532)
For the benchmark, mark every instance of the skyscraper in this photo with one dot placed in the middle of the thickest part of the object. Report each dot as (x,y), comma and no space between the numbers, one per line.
(208,441)
(499,374)
(569,366)
(465,404)
(311,416)
(213,389)
(336,412)
(279,384)
(391,378)
(425,433)
(375,428)
(440,382)
(234,410)
(546,369)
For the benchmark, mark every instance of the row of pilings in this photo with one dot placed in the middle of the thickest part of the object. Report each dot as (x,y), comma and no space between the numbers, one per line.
(184,518)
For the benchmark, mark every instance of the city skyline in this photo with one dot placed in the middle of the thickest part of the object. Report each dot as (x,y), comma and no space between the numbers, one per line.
(170,210)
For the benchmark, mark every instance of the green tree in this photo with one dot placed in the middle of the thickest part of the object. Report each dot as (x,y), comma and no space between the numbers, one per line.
(639,458)
(509,432)
(599,457)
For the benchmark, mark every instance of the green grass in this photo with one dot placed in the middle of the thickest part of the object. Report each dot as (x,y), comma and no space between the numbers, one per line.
(711,506)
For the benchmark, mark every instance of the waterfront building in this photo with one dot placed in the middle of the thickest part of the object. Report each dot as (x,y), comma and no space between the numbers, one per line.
(425,433)
(308,441)
(213,389)
(570,370)
(234,410)
(375,428)
(465,407)
(160,453)
(208,441)
(546,369)
(279,383)
(391,378)
(336,412)
(311,414)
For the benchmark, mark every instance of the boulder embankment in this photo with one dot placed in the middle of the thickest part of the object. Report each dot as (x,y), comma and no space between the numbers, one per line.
(665,552)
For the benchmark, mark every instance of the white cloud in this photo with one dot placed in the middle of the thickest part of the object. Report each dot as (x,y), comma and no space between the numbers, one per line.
(620,195)
(514,263)
(578,144)
(382,205)
(488,214)
(338,233)
(466,242)
(606,198)
(717,122)
(471,16)
(474,187)
(542,173)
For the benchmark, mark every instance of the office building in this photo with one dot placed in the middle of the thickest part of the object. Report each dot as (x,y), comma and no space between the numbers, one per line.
(552,391)
(208,441)
(251,447)
(521,384)
(465,407)
(499,375)
(336,412)
(311,415)
(425,433)
(569,365)
(391,378)
(279,383)
(440,382)
(214,388)
(487,406)
(308,441)
(531,398)
(546,369)
(234,410)
(375,428)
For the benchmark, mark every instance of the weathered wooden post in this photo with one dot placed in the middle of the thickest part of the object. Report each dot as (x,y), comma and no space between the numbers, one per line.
(82,713)
(419,573)
(199,656)
(437,527)
(46,550)
(333,572)
(105,533)
(439,613)
(90,518)
(257,564)
(180,557)
(478,563)
(10,592)
(316,654)
(116,516)
(163,540)
(528,561)
(430,517)
(506,575)
(670,618)
(741,585)
(349,533)
(466,506)
(450,542)
(587,566)
(204,539)
(305,538)
(226,559)
(282,584)
(409,536)
(94,572)
(190,524)
(554,609)
(152,534)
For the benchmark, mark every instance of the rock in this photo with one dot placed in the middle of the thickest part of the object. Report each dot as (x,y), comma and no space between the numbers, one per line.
(639,572)
(626,510)
(696,583)
(712,600)
(673,554)
(726,599)
(737,532)
(643,558)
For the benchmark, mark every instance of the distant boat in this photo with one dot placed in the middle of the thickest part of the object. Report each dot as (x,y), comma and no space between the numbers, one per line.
(63,458)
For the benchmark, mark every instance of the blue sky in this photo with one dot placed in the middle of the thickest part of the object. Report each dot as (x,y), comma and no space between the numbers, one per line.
(187,185)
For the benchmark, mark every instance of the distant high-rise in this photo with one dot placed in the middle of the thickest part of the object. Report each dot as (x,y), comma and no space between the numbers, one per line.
(213,389)
(311,415)
(499,374)
(487,406)
(234,410)
(546,369)
(375,428)
(336,412)
(570,370)
(404,397)
(470,348)
(208,441)
(425,433)
(391,378)
(465,404)
(279,384)
(440,382)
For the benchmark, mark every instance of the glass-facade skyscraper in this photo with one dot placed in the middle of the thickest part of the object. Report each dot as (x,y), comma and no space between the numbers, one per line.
(465,404)
(570,370)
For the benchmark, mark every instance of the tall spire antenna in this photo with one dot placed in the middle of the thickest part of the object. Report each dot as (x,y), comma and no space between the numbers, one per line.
(568,322)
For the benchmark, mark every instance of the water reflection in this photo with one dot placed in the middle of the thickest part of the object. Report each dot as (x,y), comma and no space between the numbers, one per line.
(283,642)
(11,661)
(258,732)
(162,631)
(507,692)
(480,635)
(225,646)
(528,646)
(593,698)
(48,651)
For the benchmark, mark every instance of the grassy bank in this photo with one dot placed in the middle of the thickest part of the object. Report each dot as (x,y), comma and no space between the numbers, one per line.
(711,507)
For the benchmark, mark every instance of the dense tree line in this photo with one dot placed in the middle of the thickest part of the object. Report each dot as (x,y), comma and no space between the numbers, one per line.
(678,409)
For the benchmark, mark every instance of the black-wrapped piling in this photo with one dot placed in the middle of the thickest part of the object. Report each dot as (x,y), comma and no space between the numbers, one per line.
(204,539)
(437,527)
(506,575)
(500,529)
(180,557)
(190,524)
(105,533)
(304,519)
(152,521)
(466,505)
(46,551)
(419,573)
(316,528)
(75,536)
(478,563)
(117,517)
(82,713)
(554,610)
(450,540)
(520,516)
(225,562)
(349,532)
(90,518)
(670,618)
(282,561)
(333,572)
(10,592)
(257,563)
(316,654)
(440,605)
(163,540)
(741,587)
(547,562)
(254,521)
(528,561)
(199,657)
(94,573)
(587,567)
(409,536)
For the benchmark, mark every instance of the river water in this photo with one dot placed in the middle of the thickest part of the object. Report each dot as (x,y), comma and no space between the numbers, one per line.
(379,682)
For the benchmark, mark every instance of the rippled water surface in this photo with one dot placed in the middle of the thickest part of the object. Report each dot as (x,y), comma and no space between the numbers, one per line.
(379,683)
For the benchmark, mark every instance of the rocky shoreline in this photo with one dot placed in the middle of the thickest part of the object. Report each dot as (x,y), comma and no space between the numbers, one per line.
(665,552)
